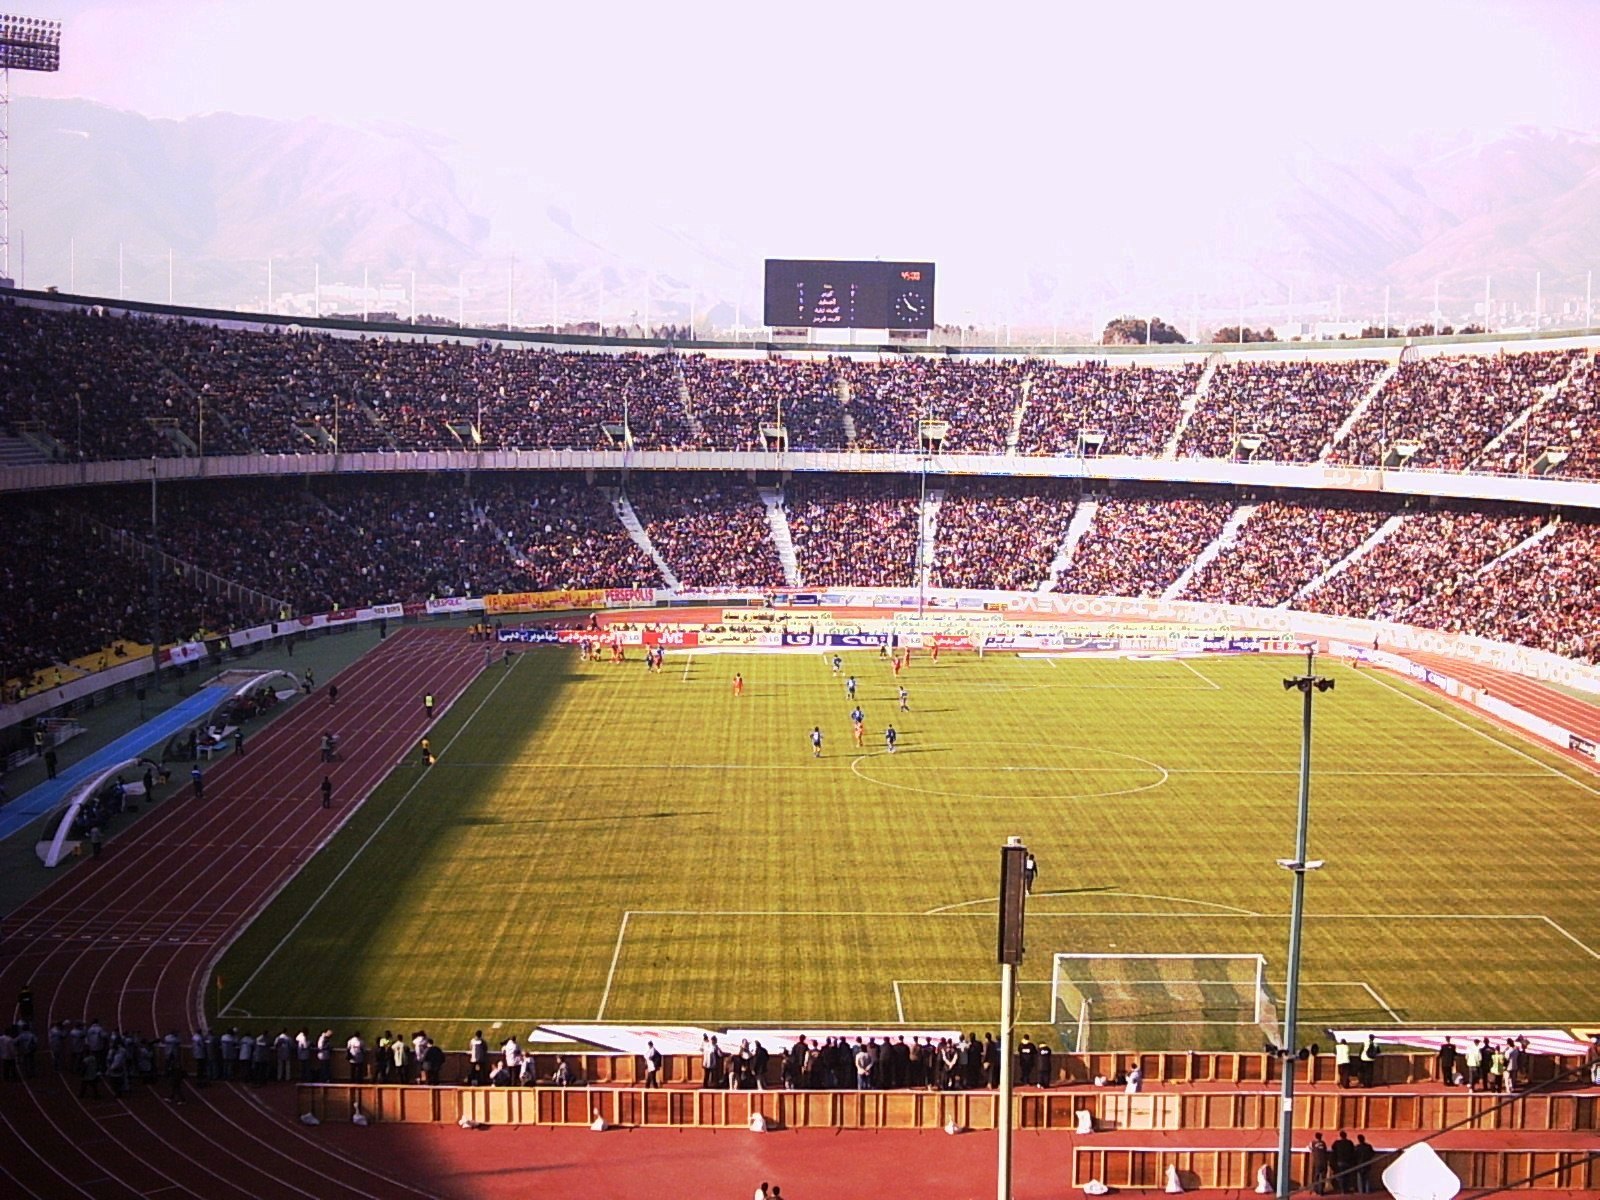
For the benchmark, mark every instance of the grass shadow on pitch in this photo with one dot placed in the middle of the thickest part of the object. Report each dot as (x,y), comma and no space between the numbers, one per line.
(533,821)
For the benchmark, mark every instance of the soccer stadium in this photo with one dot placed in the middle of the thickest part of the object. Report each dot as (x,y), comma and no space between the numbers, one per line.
(452,758)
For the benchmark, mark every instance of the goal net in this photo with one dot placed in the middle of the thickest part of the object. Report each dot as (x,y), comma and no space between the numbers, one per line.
(1162,1001)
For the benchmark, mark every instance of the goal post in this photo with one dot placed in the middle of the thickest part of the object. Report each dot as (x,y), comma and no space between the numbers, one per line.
(1181,1001)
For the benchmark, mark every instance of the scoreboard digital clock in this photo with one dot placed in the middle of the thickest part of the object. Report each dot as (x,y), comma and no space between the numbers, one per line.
(820,292)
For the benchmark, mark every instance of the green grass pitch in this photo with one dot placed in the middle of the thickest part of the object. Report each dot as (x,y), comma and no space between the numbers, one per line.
(597,843)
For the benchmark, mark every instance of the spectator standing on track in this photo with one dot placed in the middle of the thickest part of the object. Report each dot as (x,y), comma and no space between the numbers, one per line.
(427,704)
(95,838)
(327,791)
(333,694)
(356,1052)
(325,1056)
(88,1076)
(197,780)
(238,742)
(175,1075)
(478,1056)
(652,1065)
(50,762)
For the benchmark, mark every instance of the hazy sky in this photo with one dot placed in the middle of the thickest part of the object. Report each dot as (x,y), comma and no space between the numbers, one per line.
(858,129)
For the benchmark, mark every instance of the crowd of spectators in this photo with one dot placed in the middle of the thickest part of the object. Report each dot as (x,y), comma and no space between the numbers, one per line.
(1132,410)
(733,398)
(1543,596)
(1452,406)
(340,543)
(853,531)
(65,594)
(1294,407)
(1431,552)
(1138,546)
(1569,420)
(564,532)
(1282,547)
(977,399)
(102,386)
(1001,534)
(711,530)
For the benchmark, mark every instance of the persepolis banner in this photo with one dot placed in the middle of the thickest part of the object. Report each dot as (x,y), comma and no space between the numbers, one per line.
(523,602)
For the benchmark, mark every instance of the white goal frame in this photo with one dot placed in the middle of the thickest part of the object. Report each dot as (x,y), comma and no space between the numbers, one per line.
(1069,994)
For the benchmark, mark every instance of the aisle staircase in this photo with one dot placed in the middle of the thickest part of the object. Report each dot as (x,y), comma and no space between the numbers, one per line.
(928,535)
(1082,520)
(1228,535)
(1374,540)
(687,401)
(841,391)
(1526,543)
(1192,402)
(623,507)
(1015,436)
(1362,405)
(782,539)
(1546,394)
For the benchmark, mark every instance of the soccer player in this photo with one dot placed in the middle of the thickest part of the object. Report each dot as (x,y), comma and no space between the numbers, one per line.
(857,720)
(816,741)
(838,664)
(738,684)
(890,737)
(850,687)
(905,698)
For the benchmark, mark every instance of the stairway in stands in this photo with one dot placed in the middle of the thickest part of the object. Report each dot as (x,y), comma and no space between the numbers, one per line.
(1527,543)
(1228,536)
(1374,540)
(641,538)
(1191,402)
(1015,435)
(1360,410)
(17,452)
(782,539)
(687,402)
(841,390)
(928,521)
(1082,520)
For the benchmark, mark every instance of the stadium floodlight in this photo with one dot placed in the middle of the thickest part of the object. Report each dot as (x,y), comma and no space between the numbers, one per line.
(1308,685)
(26,44)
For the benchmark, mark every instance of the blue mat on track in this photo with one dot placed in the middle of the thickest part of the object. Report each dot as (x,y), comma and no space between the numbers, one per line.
(47,796)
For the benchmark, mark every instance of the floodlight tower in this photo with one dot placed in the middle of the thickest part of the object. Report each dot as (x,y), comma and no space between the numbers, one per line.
(26,44)
(1307,685)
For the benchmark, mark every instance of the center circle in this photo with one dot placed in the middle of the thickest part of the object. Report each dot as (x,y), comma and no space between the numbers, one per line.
(986,762)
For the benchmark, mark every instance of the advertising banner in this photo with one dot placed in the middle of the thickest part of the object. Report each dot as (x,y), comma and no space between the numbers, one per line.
(521,602)
(532,637)
(672,638)
(733,637)
(625,597)
(452,604)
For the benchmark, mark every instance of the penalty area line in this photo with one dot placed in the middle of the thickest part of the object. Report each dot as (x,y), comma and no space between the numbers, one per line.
(616,955)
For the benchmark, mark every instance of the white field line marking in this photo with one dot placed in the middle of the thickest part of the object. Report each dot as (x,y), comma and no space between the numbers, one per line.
(687,663)
(1375,677)
(361,849)
(944,909)
(1371,991)
(616,953)
(1397,773)
(1587,950)
(899,1004)
(1205,679)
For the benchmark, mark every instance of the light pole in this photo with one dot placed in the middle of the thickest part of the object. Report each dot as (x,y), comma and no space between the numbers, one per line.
(155,581)
(1307,685)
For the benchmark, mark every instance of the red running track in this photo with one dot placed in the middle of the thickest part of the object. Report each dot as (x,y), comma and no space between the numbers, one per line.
(130,939)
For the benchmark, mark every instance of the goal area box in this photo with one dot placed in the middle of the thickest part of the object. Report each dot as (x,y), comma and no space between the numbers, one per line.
(1162,1001)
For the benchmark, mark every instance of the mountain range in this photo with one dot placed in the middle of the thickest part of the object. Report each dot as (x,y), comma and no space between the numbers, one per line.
(223,193)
